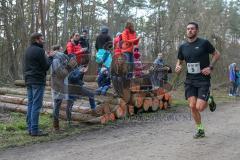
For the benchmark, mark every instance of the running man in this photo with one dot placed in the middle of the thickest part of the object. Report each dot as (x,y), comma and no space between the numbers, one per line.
(195,52)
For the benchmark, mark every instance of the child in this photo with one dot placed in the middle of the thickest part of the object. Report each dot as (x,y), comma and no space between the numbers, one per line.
(104,81)
(76,87)
(138,67)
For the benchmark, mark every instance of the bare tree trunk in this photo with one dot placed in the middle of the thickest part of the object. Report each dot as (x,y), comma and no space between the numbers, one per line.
(55,32)
(32,16)
(12,63)
(64,36)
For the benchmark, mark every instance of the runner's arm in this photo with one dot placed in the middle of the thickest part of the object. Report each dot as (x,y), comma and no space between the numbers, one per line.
(215,58)
(178,68)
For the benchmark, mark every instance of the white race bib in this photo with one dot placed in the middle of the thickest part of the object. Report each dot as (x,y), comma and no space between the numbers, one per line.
(193,68)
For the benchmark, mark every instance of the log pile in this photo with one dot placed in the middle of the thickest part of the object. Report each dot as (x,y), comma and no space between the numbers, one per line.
(109,109)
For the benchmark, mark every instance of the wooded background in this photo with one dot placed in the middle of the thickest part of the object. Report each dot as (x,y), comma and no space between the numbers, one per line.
(161,23)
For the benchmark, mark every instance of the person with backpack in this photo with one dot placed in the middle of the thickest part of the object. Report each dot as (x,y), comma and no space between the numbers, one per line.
(102,45)
(60,69)
(129,40)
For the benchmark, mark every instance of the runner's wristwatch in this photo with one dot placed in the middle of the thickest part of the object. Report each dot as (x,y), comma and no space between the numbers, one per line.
(211,67)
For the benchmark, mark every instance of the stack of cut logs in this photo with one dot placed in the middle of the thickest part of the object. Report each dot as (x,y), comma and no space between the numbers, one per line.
(109,108)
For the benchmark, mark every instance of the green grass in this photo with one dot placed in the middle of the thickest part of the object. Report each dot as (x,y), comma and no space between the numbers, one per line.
(13,131)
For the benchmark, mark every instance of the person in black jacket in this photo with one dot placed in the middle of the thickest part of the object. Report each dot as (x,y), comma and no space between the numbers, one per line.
(84,40)
(103,42)
(36,63)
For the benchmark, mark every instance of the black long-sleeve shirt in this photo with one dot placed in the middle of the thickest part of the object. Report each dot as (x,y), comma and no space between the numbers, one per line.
(36,65)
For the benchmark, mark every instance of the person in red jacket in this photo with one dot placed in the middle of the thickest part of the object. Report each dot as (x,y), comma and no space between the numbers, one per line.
(130,40)
(117,43)
(74,47)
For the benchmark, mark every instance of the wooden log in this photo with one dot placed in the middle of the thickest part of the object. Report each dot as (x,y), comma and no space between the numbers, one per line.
(170,101)
(89,78)
(21,83)
(155,104)
(75,116)
(112,117)
(130,110)
(135,88)
(13,107)
(13,91)
(119,112)
(18,91)
(46,104)
(124,107)
(147,103)
(161,105)
(165,105)
(16,100)
(167,96)
(160,97)
(159,92)
(137,99)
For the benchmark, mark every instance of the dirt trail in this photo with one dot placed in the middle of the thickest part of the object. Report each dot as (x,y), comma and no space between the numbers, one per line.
(160,136)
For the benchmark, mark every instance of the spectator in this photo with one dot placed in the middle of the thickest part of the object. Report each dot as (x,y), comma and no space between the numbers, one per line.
(103,44)
(60,68)
(159,72)
(74,47)
(232,79)
(104,81)
(138,66)
(130,40)
(238,81)
(76,87)
(84,42)
(36,63)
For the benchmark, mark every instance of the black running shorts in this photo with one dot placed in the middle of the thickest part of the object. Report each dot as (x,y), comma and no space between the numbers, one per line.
(199,90)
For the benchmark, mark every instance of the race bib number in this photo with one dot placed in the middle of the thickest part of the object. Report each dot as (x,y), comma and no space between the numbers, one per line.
(193,68)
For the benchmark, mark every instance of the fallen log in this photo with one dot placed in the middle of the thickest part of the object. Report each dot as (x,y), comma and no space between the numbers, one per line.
(166,97)
(130,110)
(165,104)
(75,116)
(21,83)
(161,105)
(155,104)
(147,103)
(137,99)
(46,104)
